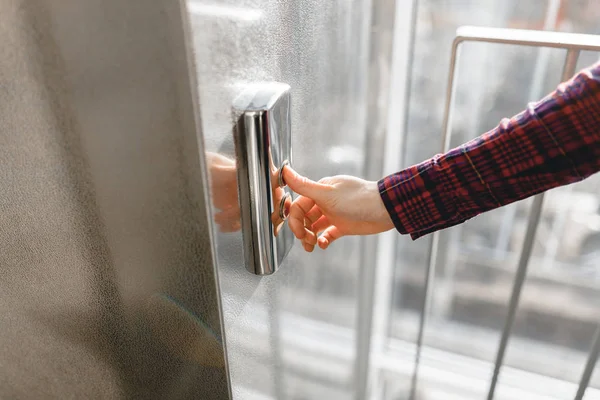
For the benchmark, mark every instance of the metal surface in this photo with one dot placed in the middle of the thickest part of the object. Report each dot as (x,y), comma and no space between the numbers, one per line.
(532,224)
(284,210)
(280,178)
(573,43)
(524,37)
(588,370)
(263,146)
(108,284)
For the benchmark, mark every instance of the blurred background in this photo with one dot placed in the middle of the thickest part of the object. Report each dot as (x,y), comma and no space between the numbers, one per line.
(559,309)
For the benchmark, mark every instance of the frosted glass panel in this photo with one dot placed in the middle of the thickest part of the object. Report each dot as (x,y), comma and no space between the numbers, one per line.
(289,335)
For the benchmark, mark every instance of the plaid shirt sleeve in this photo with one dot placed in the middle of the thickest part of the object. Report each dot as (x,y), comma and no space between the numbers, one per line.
(554,142)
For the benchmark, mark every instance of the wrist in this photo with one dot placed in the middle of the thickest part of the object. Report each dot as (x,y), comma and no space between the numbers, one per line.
(380,212)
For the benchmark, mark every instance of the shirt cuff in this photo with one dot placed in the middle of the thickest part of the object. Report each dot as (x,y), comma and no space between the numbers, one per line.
(438,193)
(417,198)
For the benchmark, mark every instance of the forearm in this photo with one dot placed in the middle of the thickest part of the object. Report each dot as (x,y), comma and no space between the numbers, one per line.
(553,142)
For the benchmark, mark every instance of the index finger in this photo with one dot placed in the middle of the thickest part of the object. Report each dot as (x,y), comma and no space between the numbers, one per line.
(298,210)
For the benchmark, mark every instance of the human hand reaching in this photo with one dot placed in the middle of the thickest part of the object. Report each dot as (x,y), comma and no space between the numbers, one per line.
(337,206)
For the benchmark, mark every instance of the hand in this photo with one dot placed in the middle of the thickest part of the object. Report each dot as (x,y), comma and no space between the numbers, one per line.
(337,206)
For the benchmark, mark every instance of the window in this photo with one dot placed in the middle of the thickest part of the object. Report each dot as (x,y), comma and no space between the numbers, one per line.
(559,309)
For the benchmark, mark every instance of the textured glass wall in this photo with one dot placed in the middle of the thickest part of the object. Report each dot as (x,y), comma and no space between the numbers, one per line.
(289,335)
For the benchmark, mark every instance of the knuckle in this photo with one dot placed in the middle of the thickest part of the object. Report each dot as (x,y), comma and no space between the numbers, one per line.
(303,181)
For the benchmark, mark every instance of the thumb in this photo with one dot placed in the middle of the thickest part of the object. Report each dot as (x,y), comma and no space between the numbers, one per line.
(304,186)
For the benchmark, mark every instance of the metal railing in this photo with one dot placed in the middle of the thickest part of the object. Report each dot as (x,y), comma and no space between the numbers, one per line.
(573,44)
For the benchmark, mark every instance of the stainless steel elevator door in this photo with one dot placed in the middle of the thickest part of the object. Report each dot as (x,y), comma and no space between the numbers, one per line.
(107,282)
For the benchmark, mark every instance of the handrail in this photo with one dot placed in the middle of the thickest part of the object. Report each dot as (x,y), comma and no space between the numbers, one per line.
(524,37)
(572,42)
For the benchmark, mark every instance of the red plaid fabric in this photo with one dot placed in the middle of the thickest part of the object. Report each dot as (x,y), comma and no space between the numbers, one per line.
(554,142)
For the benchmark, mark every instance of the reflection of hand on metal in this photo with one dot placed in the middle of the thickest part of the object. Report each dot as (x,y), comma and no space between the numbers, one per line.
(223,181)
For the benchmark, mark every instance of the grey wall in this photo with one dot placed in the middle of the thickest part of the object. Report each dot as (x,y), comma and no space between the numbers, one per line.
(107,286)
